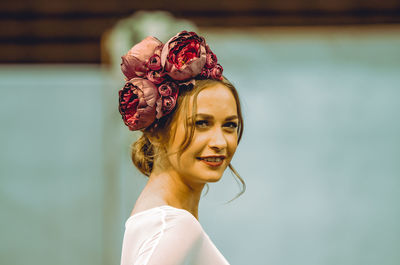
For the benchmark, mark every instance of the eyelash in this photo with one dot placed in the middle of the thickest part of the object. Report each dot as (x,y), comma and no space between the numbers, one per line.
(234,124)
(200,122)
(231,125)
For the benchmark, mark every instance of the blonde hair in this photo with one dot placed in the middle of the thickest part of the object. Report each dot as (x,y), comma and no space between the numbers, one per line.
(145,153)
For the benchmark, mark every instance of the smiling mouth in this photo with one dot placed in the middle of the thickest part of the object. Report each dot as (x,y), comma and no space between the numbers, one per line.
(212,161)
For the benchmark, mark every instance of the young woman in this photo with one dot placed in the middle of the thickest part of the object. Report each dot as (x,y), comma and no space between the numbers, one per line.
(191,121)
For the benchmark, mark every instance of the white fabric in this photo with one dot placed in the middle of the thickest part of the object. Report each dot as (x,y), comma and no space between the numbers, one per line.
(165,235)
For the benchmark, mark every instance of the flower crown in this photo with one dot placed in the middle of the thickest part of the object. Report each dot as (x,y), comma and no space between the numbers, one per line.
(155,72)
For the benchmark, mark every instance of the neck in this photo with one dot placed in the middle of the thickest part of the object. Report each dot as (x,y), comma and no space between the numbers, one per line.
(170,188)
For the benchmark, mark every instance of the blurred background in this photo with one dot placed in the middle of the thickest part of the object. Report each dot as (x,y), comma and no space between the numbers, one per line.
(320,87)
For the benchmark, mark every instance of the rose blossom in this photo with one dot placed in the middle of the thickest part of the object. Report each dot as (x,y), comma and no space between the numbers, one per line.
(154,62)
(168,89)
(168,103)
(137,100)
(205,73)
(134,63)
(165,104)
(184,55)
(211,60)
(216,72)
(156,77)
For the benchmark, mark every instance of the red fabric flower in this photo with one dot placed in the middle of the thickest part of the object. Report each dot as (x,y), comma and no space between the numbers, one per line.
(216,72)
(137,103)
(155,73)
(157,77)
(211,60)
(134,63)
(166,103)
(184,55)
(205,73)
(154,62)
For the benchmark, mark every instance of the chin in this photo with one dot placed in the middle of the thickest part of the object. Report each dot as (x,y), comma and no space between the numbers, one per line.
(213,179)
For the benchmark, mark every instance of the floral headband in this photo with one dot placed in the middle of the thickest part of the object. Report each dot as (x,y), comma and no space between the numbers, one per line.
(155,72)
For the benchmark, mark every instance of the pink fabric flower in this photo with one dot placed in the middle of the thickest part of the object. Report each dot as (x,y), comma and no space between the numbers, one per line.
(211,60)
(166,103)
(156,77)
(205,73)
(156,72)
(137,103)
(134,63)
(184,55)
(216,72)
(154,62)
(168,89)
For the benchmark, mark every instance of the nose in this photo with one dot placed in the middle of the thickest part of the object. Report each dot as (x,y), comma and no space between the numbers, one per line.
(217,140)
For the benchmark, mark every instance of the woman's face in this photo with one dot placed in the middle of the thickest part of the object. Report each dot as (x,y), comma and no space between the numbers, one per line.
(215,137)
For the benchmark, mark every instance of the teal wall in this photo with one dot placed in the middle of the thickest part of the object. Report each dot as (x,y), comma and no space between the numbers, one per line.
(319,154)
(51,172)
(321,148)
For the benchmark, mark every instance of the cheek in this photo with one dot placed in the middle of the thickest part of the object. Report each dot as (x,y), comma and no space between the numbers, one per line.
(232,144)
(199,139)
(196,146)
(194,150)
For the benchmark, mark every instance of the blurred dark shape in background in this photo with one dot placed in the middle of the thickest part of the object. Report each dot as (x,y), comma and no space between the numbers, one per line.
(131,30)
(69,31)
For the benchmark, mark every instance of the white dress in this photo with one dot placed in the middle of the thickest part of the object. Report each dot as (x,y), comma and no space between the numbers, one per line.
(166,235)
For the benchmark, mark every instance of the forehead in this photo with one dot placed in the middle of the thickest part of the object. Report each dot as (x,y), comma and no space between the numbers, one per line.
(216,99)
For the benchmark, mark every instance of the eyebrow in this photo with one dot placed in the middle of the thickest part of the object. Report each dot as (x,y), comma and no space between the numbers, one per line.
(207,116)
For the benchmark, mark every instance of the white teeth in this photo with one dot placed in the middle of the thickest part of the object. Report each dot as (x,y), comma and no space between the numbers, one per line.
(213,159)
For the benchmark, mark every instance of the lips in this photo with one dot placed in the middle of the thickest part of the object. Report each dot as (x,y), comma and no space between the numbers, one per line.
(212,161)
(212,158)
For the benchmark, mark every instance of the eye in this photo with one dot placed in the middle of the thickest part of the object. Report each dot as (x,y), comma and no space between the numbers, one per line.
(201,123)
(231,125)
